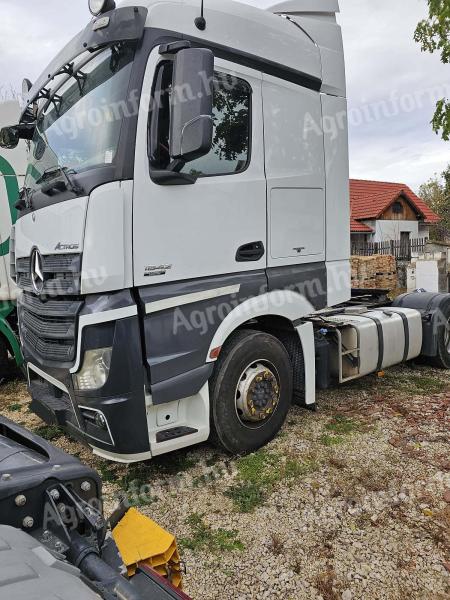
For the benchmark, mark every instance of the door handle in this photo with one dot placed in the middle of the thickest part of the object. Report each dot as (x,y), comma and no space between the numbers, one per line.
(250,252)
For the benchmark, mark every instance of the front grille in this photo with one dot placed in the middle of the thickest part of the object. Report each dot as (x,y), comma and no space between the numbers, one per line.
(61,274)
(48,323)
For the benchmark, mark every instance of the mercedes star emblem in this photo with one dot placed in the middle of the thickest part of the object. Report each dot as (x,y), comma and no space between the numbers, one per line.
(37,271)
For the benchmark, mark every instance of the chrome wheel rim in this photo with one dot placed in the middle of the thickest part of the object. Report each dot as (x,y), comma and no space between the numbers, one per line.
(257,394)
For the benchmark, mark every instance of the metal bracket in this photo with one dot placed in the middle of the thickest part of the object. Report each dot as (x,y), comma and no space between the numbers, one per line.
(174,47)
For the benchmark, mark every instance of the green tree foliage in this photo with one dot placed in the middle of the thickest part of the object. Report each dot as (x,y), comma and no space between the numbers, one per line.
(436,193)
(433,34)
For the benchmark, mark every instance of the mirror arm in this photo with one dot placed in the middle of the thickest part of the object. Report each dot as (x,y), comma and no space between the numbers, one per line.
(176,165)
(26,131)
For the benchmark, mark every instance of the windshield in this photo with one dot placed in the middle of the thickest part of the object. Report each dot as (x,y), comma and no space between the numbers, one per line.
(79,129)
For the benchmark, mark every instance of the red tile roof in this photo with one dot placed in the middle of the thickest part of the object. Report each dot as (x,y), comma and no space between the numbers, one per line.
(357,227)
(369,200)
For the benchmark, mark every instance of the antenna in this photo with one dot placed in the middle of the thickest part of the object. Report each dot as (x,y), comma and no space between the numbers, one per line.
(200,22)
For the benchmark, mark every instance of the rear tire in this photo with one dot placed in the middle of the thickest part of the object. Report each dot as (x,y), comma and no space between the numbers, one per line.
(250,391)
(442,360)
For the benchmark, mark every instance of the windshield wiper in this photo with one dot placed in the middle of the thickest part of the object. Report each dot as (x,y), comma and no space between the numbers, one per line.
(70,185)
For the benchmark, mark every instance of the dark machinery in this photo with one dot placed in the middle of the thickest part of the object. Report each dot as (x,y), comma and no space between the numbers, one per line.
(55,541)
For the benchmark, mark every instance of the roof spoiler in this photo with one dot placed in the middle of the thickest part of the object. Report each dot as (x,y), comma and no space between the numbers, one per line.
(305,7)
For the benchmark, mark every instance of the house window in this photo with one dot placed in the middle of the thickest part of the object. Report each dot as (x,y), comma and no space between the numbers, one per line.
(397,208)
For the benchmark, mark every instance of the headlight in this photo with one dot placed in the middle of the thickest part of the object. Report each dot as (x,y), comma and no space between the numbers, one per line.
(95,370)
(100,6)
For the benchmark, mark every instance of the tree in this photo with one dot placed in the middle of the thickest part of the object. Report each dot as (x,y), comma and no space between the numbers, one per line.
(433,34)
(436,193)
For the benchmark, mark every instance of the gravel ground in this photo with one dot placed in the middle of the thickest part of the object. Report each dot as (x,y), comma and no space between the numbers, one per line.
(350,502)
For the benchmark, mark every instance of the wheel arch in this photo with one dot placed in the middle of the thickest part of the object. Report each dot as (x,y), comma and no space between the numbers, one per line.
(279,313)
(278,306)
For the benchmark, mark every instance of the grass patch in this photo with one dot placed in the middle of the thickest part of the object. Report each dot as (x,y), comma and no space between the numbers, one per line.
(331,440)
(49,432)
(337,429)
(258,474)
(416,382)
(203,537)
(14,407)
(211,461)
(425,384)
(139,474)
(342,426)
(175,463)
(108,474)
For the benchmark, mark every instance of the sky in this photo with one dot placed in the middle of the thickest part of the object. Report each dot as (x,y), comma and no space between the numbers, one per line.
(392,85)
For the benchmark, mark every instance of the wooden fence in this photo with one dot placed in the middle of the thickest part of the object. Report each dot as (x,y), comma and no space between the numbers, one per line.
(402,250)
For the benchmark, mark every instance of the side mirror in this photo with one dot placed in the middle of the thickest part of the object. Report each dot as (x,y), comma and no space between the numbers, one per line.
(9,137)
(191,123)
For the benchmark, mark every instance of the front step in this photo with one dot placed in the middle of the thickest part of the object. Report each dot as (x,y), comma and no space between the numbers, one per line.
(174,433)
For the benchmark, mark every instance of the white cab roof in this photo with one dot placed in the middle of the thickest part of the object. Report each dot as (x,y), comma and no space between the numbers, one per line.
(239,26)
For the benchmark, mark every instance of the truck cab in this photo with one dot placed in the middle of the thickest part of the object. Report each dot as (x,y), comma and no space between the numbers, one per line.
(184,217)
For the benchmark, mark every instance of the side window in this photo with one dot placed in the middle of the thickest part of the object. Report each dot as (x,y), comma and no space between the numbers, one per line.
(230,152)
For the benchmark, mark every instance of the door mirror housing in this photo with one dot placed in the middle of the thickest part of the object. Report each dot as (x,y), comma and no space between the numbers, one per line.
(9,137)
(191,122)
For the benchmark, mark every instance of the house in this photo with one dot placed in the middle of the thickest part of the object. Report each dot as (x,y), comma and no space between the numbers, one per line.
(382,212)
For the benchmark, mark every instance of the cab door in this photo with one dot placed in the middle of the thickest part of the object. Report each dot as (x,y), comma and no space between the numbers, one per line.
(217,226)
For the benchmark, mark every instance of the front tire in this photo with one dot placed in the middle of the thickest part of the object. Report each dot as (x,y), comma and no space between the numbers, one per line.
(250,391)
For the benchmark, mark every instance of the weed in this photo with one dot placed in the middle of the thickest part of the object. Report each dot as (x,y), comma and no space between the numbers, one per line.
(49,432)
(325,583)
(276,544)
(298,567)
(375,480)
(14,407)
(337,463)
(203,537)
(331,440)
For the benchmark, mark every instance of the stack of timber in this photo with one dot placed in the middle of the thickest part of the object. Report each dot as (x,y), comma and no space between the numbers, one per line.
(374,272)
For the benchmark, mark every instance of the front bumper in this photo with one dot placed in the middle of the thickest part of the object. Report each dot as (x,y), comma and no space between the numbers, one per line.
(122,429)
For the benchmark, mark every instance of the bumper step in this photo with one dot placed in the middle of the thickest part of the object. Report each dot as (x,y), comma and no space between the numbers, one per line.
(174,433)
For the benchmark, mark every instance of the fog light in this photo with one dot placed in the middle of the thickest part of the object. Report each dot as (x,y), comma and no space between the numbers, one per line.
(95,370)
(100,6)
(100,420)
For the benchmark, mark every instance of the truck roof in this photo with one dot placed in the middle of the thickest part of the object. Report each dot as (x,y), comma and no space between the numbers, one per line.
(240,26)
(264,33)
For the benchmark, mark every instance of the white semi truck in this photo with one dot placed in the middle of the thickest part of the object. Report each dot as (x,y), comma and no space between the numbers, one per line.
(183,236)
(13,165)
